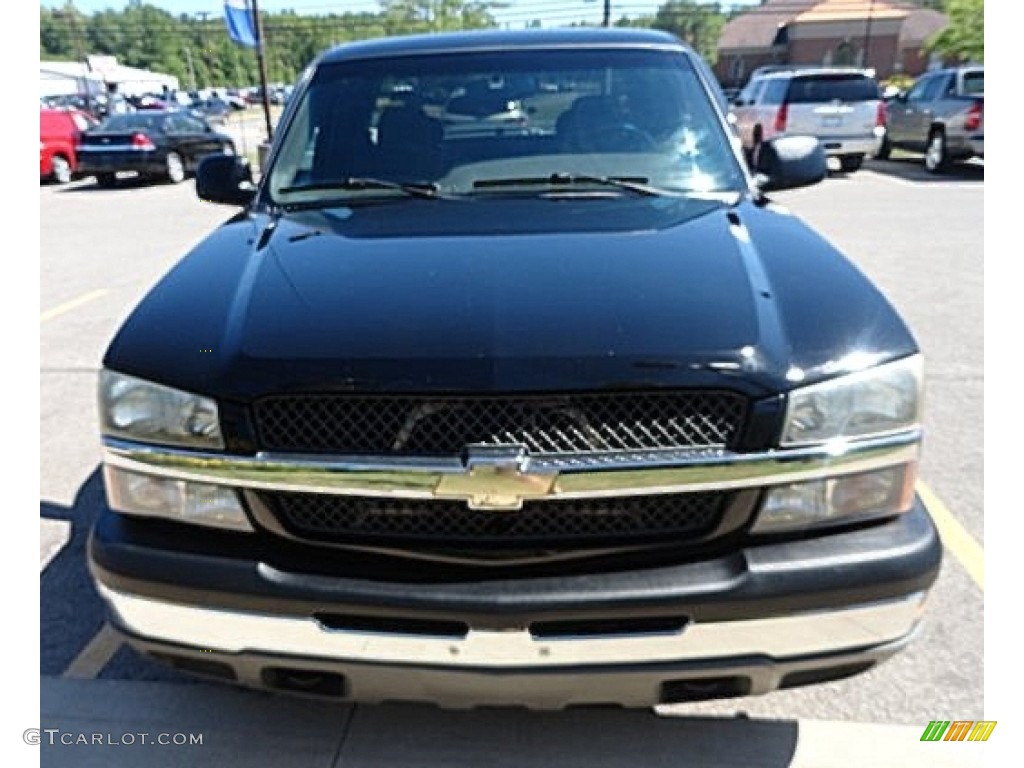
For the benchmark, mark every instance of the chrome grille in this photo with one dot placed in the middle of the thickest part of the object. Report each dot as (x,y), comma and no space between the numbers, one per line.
(546,425)
(331,518)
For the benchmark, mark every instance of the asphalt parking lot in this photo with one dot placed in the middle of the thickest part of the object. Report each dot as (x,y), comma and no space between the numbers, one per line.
(918,236)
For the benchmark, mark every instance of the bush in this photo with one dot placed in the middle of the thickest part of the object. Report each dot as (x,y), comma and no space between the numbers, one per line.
(900,82)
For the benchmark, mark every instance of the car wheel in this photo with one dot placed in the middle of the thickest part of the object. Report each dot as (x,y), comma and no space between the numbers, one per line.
(936,158)
(851,163)
(175,168)
(885,150)
(61,169)
(106,180)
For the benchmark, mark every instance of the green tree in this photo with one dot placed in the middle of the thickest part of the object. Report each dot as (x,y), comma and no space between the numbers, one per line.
(964,38)
(698,24)
(412,16)
(637,22)
(143,35)
(62,34)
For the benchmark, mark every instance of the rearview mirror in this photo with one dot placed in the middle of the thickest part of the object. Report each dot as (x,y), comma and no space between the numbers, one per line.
(225,179)
(789,162)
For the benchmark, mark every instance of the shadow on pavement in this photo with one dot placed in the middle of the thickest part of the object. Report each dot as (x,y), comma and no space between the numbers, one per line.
(124,183)
(912,169)
(256,730)
(70,611)
(403,736)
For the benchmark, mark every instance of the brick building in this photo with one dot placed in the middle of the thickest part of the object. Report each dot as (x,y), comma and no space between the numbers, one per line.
(887,35)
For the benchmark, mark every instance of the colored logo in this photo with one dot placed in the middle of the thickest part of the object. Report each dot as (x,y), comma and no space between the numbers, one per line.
(958,730)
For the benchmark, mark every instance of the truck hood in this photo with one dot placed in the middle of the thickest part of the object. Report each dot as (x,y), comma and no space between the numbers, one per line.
(512,295)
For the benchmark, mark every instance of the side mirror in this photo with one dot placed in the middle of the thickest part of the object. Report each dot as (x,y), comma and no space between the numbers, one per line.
(225,179)
(789,162)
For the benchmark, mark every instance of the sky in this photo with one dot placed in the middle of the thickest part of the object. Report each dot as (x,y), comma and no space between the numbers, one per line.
(518,12)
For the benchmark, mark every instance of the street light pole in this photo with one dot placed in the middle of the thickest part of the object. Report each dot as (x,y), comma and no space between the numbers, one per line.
(867,34)
(607,13)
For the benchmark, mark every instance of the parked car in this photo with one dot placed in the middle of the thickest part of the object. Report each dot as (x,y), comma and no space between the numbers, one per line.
(156,145)
(235,101)
(60,131)
(151,102)
(214,110)
(488,420)
(842,107)
(941,115)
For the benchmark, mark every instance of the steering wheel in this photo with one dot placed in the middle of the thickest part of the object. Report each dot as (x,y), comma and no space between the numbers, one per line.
(623,137)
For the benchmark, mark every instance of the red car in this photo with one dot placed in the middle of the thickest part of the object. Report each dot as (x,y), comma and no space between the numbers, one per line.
(60,130)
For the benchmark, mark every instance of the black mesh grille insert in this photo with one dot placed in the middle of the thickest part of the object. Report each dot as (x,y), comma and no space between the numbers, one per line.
(546,425)
(332,518)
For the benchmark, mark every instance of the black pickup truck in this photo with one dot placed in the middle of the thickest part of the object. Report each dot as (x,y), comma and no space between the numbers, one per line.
(552,407)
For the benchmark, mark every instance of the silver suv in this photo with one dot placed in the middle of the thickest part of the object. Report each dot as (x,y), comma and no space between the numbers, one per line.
(942,115)
(842,108)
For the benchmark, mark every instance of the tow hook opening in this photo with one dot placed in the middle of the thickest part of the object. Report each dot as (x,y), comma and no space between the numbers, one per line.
(704,688)
(307,681)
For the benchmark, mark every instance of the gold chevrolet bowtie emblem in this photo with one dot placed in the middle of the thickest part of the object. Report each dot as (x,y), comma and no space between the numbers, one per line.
(496,477)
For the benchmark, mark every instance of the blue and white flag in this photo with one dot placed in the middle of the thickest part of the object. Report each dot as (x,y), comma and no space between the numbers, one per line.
(238,17)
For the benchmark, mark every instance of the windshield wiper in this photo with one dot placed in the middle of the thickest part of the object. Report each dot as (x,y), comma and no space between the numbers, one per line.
(357,183)
(637,185)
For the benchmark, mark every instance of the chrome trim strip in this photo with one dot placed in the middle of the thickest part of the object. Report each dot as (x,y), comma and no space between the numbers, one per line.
(645,472)
(90,148)
(779,637)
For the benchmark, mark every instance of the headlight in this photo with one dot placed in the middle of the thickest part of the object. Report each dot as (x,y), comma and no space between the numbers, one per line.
(139,410)
(880,400)
(879,493)
(181,501)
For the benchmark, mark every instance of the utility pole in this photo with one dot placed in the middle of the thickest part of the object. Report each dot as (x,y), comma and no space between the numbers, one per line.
(204,42)
(258,27)
(607,13)
(191,69)
(867,33)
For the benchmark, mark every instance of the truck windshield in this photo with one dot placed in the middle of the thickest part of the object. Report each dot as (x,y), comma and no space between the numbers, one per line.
(456,122)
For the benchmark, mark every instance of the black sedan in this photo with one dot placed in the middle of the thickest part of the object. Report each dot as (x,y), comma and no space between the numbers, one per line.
(155,145)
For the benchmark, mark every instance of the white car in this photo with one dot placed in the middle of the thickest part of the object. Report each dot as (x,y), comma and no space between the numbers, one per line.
(842,108)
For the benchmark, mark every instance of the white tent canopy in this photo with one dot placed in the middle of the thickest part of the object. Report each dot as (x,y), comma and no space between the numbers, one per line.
(95,74)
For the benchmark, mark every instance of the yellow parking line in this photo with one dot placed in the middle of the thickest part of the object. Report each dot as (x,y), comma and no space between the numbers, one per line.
(954,536)
(94,657)
(67,306)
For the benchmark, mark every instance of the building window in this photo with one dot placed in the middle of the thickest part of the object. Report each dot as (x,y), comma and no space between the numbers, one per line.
(845,55)
(738,69)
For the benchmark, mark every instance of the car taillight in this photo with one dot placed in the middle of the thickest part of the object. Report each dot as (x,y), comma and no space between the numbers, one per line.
(881,117)
(973,120)
(141,141)
(781,118)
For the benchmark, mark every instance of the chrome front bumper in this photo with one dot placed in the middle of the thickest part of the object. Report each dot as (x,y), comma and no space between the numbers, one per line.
(780,637)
